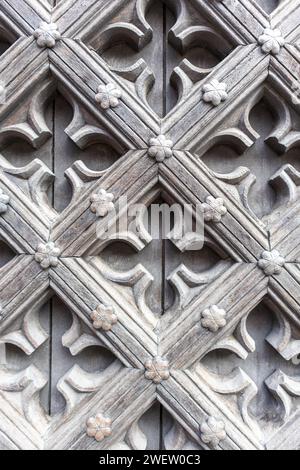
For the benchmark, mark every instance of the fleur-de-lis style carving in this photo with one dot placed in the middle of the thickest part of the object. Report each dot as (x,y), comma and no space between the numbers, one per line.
(102,203)
(271,41)
(47,255)
(104,317)
(271,262)
(157,369)
(215,92)
(47,35)
(108,96)
(212,432)
(213,318)
(160,148)
(4,201)
(213,209)
(99,427)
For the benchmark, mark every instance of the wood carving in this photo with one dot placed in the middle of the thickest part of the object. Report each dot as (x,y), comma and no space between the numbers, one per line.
(47,35)
(213,432)
(213,318)
(215,92)
(99,427)
(201,109)
(103,317)
(271,41)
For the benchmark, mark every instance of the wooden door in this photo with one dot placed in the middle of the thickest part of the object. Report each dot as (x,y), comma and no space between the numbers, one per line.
(130,341)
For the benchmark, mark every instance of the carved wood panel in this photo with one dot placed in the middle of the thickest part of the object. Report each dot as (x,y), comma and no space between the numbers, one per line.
(131,342)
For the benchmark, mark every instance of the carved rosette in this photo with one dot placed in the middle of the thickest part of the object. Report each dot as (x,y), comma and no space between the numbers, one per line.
(160,148)
(212,432)
(102,203)
(215,92)
(108,96)
(271,262)
(271,41)
(47,255)
(104,318)
(157,370)
(47,35)
(213,209)
(99,427)
(213,318)
(4,201)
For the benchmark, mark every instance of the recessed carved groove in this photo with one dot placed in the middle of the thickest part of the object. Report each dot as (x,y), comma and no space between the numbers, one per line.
(7,37)
(7,254)
(4,45)
(268,5)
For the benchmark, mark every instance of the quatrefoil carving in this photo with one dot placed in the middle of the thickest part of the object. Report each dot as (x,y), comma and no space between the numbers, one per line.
(267,126)
(282,383)
(196,44)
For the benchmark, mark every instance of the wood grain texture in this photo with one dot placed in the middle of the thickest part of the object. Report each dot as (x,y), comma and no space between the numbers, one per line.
(129,342)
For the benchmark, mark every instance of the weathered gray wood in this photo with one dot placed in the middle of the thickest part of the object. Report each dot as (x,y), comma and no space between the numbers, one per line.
(134,343)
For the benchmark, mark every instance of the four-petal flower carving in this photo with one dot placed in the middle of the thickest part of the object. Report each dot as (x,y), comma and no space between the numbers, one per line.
(271,262)
(4,201)
(102,203)
(99,427)
(108,96)
(212,432)
(47,35)
(213,318)
(157,369)
(47,255)
(213,209)
(271,41)
(160,148)
(104,317)
(214,92)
